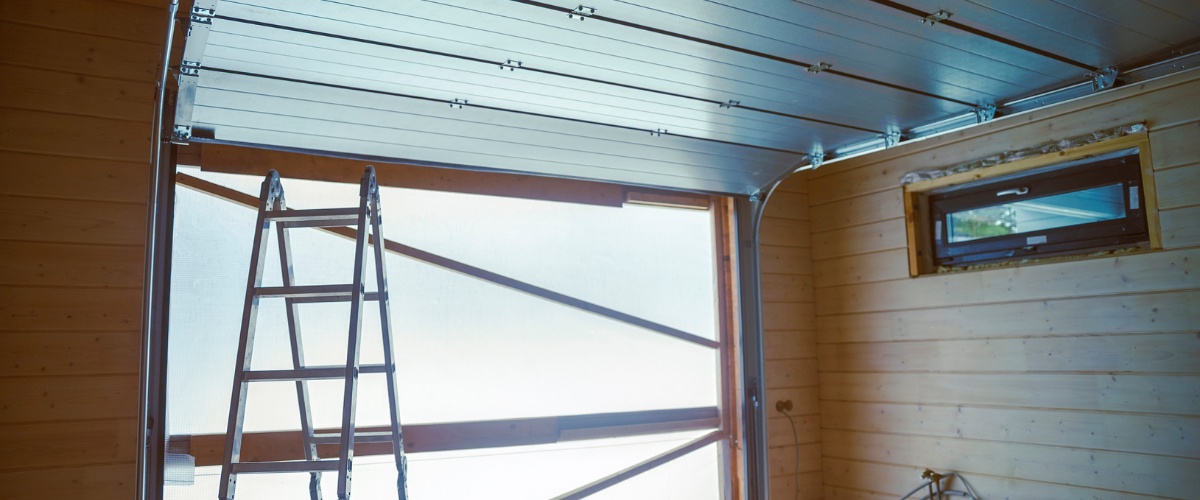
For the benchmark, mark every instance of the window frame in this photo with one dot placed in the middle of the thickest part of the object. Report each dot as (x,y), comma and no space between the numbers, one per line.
(1054,173)
(728,422)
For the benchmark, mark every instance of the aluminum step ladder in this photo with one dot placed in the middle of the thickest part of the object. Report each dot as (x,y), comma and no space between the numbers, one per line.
(273,209)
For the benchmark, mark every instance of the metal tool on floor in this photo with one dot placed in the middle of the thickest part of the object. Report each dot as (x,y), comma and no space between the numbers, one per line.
(273,210)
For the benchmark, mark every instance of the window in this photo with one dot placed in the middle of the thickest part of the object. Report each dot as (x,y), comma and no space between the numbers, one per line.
(1091,198)
(542,346)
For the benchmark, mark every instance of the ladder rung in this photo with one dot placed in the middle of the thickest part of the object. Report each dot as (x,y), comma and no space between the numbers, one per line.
(321,217)
(291,466)
(313,293)
(360,437)
(308,373)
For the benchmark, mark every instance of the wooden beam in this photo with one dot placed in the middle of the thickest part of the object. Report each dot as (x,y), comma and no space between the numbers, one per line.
(252,161)
(287,445)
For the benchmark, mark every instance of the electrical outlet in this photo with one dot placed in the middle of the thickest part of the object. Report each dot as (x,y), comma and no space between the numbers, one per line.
(783,405)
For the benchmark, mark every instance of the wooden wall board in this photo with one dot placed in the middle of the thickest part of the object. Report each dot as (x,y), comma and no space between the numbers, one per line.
(61,399)
(95,482)
(791,344)
(804,399)
(806,486)
(900,479)
(87,442)
(843,493)
(787,288)
(1161,103)
(50,176)
(884,265)
(1162,394)
(57,353)
(73,94)
(1149,434)
(787,205)
(860,210)
(74,135)
(783,461)
(1181,227)
(795,183)
(1132,273)
(123,21)
(1162,353)
(787,316)
(782,232)
(1179,187)
(808,429)
(1176,146)
(781,373)
(785,260)
(26,309)
(867,238)
(1123,472)
(47,48)
(70,265)
(1128,313)
(71,221)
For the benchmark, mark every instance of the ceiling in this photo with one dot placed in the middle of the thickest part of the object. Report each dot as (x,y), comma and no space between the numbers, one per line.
(717,96)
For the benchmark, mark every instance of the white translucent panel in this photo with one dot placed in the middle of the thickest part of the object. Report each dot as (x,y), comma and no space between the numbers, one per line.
(652,262)
(467,349)
(695,476)
(523,472)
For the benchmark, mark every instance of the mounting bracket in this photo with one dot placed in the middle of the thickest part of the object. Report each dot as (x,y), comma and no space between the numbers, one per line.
(817,157)
(984,112)
(936,17)
(658,132)
(1103,78)
(582,12)
(458,103)
(511,65)
(818,67)
(730,104)
(891,137)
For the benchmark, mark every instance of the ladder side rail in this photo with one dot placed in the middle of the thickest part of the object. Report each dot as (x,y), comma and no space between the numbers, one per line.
(271,189)
(346,454)
(288,273)
(389,362)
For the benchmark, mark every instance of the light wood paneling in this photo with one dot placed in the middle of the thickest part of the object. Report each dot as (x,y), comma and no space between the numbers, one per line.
(60,399)
(76,99)
(1181,228)
(806,485)
(49,176)
(1124,472)
(787,205)
(778,231)
(1169,312)
(1071,379)
(791,373)
(1164,394)
(70,265)
(1149,434)
(37,354)
(787,288)
(791,344)
(846,475)
(94,482)
(1134,273)
(1172,147)
(1140,353)
(867,238)
(43,445)
(786,260)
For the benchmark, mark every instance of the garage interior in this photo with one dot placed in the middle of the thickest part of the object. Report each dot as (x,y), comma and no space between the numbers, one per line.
(1063,378)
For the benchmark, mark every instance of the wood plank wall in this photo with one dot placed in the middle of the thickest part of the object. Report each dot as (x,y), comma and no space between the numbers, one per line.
(1067,380)
(77,81)
(791,344)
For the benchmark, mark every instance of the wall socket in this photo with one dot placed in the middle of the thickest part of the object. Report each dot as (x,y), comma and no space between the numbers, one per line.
(783,405)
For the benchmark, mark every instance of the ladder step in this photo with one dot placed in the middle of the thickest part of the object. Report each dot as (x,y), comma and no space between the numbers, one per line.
(321,217)
(313,293)
(308,373)
(329,465)
(361,437)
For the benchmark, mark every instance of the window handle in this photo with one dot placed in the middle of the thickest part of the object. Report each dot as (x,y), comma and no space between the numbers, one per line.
(1018,191)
